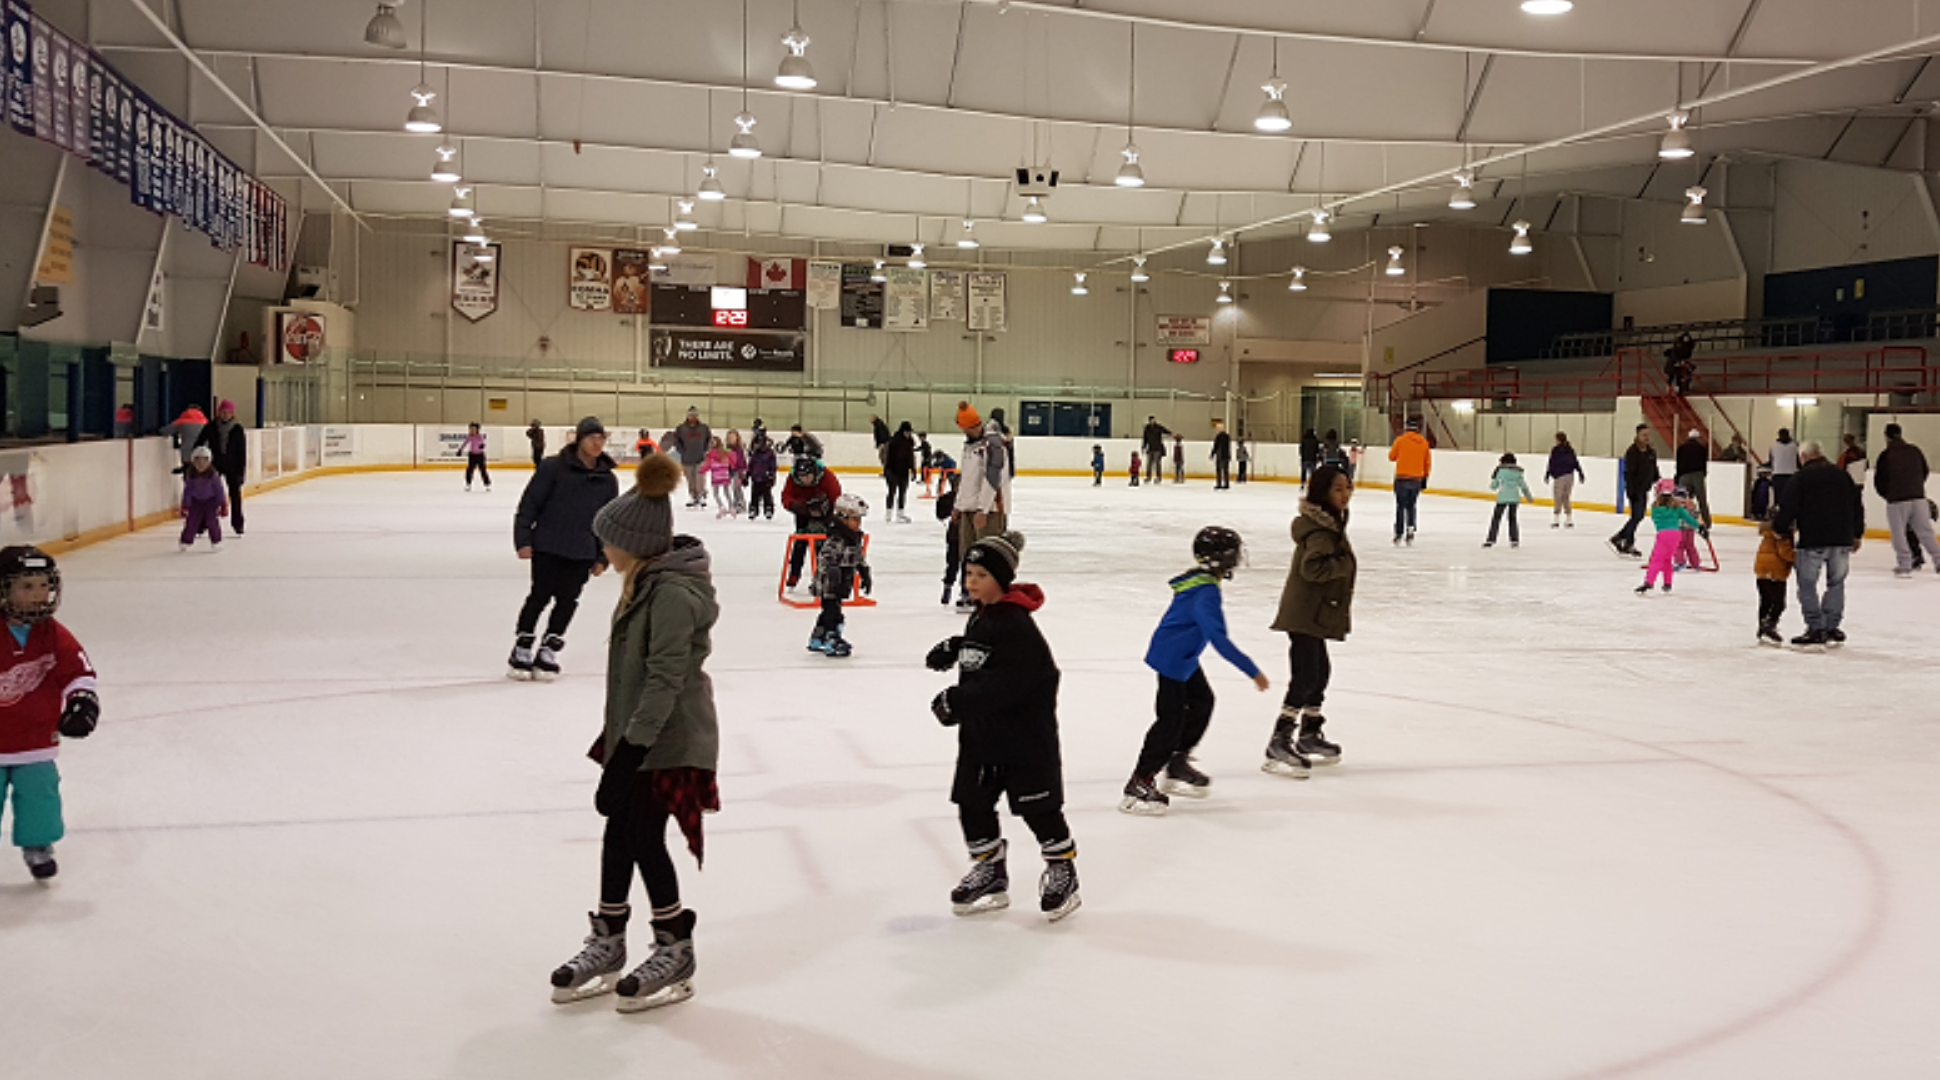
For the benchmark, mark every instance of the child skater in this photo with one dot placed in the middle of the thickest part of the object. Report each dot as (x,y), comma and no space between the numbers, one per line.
(761,478)
(658,748)
(1668,518)
(1097,465)
(1178,459)
(718,466)
(49,697)
(839,567)
(1185,702)
(1761,503)
(1316,606)
(1005,709)
(946,504)
(474,450)
(1687,550)
(1562,473)
(1245,458)
(737,474)
(1773,567)
(1511,491)
(204,500)
(1137,467)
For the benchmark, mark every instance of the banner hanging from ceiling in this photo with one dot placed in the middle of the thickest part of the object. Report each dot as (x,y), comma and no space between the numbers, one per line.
(632,276)
(905,299)
(474,279)
(984,301)
(825,285)
(861,297)
(590,278)
(946,295)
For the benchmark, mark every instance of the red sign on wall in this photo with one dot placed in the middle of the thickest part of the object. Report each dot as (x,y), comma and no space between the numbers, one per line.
(732,318)
(1183,356)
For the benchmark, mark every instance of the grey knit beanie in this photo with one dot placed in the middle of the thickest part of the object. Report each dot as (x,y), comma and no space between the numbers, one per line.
(998,556)
(641,521)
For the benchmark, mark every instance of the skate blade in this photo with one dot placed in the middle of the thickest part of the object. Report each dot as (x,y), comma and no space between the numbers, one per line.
(1065,910)
(517,675)
(672,994)
(1184,790)
(1141,808)
(596,987)
(983,904)
(544,676)
(1324,759)
(1769,643)
(1281,768)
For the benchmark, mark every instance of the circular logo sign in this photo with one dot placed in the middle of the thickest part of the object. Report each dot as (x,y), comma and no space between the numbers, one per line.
(303,339)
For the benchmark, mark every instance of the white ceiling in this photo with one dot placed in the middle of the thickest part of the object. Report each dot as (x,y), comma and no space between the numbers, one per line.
(597,110)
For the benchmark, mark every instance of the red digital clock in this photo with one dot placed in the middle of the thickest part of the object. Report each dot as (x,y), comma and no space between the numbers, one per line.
(1183,356)
(723,317)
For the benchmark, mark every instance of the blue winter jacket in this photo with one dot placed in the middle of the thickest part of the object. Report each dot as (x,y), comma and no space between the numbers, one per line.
(1562,462)
(1194,621)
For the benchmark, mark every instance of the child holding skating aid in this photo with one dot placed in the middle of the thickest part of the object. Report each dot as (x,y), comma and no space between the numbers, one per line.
(1667,517)
(1185,702)
(1097,465)
(839,566)
(1511,491)
(1773,567)
(1005,709)
(205,500)
(49,697)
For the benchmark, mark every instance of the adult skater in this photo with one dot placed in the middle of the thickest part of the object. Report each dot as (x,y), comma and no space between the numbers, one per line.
(1412,461)
(1315,606)
(1562,473)
(983,493)
(658,748)
(473,449)
(187,430)
(1222,457)
(229,444)
(1693,463)
(553,529)
(801,444)
(1825,507)
(879,430)
(1900,478)
(1010,439)
(1309,454)
(536,435)
(1005,709)
(690,442)
(810,495)
(1639,477)
(1153,442)
(1784,460)
(898,469)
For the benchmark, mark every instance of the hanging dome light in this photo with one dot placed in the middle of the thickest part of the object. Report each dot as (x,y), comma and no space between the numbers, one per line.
(916,257)
(475,231)
(1129,174)
(968,241)
(1139,276)
(1034,211)
(1547,7)
(443,171)
(877,274)
(1318,233)
(1521,245)
(796,72)
(656,264)
(1273,115)
(1395,269)
(1299,283)
(671,245)
(1217,256)
(484,249)
(1677,142)
(461,204)
(384,30)
(711,189)
(1464,196)
(744,144)
(1225,292)
(423,119)
(1078,288)
(1694,213)
(684,217)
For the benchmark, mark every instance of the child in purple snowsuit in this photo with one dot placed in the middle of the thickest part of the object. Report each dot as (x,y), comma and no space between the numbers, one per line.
(205,501)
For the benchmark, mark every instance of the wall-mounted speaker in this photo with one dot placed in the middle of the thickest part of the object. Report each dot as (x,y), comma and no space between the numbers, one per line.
(1038,180)
(43,305)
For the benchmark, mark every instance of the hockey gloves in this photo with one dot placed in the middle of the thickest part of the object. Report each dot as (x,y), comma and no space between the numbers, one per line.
(862,574)
(619,778)
(943,656)
(940,706)
(79,717)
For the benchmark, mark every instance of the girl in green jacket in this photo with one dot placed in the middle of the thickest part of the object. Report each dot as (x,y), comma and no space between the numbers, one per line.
(1315,606)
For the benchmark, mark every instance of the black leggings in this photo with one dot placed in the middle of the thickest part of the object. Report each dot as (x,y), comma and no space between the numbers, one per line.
(761,494)
(637,837)
(1184,711)
(1771,601)
(898,490)
(476,462)
(235,484)
(556,580)
(1307,687)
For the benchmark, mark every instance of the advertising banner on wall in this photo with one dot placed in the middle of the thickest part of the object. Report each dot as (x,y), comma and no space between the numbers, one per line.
(299,337)
(946,295)
(590,279)
(824,285)
(905,299)
(1183,330)
(632,276)
(984,301)
(861,298)
(748,351)
(474,283)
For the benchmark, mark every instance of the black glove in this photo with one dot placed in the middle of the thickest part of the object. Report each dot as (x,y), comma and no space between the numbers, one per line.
(618,778)
(943,655)
(78,719)
(940,707)
(818,507)
(862,574)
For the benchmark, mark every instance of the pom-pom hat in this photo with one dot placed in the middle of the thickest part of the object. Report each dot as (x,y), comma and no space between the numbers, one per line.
(641,521)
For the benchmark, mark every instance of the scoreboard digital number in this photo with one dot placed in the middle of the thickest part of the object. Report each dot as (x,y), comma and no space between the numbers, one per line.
(731,319)
(1183,356)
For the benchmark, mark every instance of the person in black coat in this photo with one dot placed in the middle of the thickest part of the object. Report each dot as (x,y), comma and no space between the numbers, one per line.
(1153,440)
(1900,477)
(1005,709)
(1829,513)
(536,435)
(880,430)
(1222,457)
(1639,474)
(553,529)
(229,444)
(898,467)
(1309,454)
(1693,464)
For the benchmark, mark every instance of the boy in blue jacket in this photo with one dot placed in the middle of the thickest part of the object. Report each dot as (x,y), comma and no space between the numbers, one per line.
(1185,704)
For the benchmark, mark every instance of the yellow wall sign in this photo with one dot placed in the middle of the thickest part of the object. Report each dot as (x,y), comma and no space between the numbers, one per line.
(57,255)
(497,404)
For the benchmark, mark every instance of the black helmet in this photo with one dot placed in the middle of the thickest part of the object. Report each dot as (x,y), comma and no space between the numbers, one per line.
(807,471)
(23,561)
(1218,550)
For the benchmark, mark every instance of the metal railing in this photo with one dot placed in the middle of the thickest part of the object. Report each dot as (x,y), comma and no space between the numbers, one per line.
(1720,336)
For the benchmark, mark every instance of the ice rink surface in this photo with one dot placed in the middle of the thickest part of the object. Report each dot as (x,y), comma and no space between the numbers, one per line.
(1575,834)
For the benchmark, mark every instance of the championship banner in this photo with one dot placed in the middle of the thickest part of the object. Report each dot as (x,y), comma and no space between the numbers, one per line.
(861,298)
(632,278)
(743,351)
(78,113)
(43,80)
(124,133)
(590,273)
(99,153)
(984,301)
(789,274)
(60,54)
(20,67)
(946,295)
(825,285)
(474,284)
(299,337)
(905,299)
(141,192)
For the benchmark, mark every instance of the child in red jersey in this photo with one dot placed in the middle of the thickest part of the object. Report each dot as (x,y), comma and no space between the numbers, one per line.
(46,694)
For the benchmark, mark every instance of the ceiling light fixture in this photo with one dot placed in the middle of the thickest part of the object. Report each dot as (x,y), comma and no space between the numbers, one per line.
(1078,287)
(877,274)
(968,240)
(484,252)
(796,72)
(1676,145)
(671,245)
(1139,276)
(1299,283)
(1694,213)
(475,231)
(916,257)
(1129,174)
(384,30)
(711,189)
(1521,245)
(1225,292)
(1273,115)
(461,204)
(684,219)
(744,145)
(1034,212)
(1547,7)
(445,169)
(1464,196)
(1217,256)
(1395,269)
(422,119)
(1318,233)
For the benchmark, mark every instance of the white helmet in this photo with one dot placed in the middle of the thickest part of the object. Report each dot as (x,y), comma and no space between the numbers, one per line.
(851,506)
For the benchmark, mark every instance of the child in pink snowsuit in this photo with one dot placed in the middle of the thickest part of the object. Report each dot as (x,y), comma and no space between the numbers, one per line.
(719,468)
(205,501)
(1687,549)
(1669,519)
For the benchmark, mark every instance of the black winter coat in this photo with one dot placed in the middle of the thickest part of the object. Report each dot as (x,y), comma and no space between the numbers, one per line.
(555,514)
(1310,447)
(231,454)
(900,457)
(1824,505)
(1901,474)
(1005,702)
(1639,471)
(1222,447)
(1154,438)
(1693,457)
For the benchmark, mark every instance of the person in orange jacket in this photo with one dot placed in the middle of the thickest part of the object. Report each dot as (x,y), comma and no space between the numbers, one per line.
(1411,464)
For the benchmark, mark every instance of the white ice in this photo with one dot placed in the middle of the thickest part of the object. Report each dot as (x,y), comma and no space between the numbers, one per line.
(1576,834)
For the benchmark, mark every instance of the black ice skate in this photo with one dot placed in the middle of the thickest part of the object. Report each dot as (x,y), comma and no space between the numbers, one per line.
(1143,797)
(1182,779)
(1057,889)
(545,666)
(965,605)
(1644,589)
(667,977)
(1835,638)
(1810,641)
(836,645)
(1282,757)
(596,970)
(520,664)
(1768,635)
(41,864)
(987,886)
(818,640)
(1312,744)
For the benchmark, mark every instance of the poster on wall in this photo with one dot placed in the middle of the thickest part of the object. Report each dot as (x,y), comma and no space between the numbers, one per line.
(691,270)
(299,337)
(20,68)
(946,295)
(824,285)
(591,284)
(984,301)
(861,298)
(474,281)
(1183,330)
(754,351)
(632,276)
(905,299)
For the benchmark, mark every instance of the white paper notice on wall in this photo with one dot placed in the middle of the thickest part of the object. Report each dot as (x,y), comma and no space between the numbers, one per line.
(1183,330)
(984,301)
(824,285)
(905,299)
(946,295)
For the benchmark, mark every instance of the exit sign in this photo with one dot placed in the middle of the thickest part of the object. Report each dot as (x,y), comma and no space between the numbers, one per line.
(1183,356)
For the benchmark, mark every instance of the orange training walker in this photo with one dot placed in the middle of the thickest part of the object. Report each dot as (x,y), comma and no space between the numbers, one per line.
(814,555)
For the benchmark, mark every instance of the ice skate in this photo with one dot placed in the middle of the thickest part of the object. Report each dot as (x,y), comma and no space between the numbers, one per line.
(596,970)
(1312,744)
(41,864)
(1644,589)
(1835,638)
(946,596)
(1182,779)
(667,977)
(1410,538)
(986,887)
(1903,575)
(1144,798)
(965,605)
(1515,544)
(1556,523)
(520,664)
(838,646)
(1810,641)
(818,640)
(215,547)
(1282,757)
(1768,635)
(1057,889)
(545,666)
(902,518)
(1488,543)
(184,548)
(1569,522)
(1667,586)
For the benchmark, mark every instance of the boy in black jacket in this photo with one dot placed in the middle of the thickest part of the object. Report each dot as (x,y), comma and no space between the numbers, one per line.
(1004,708)
(840,563)
(946,505)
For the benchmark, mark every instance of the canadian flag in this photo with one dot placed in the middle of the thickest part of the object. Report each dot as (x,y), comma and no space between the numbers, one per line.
(777,273)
